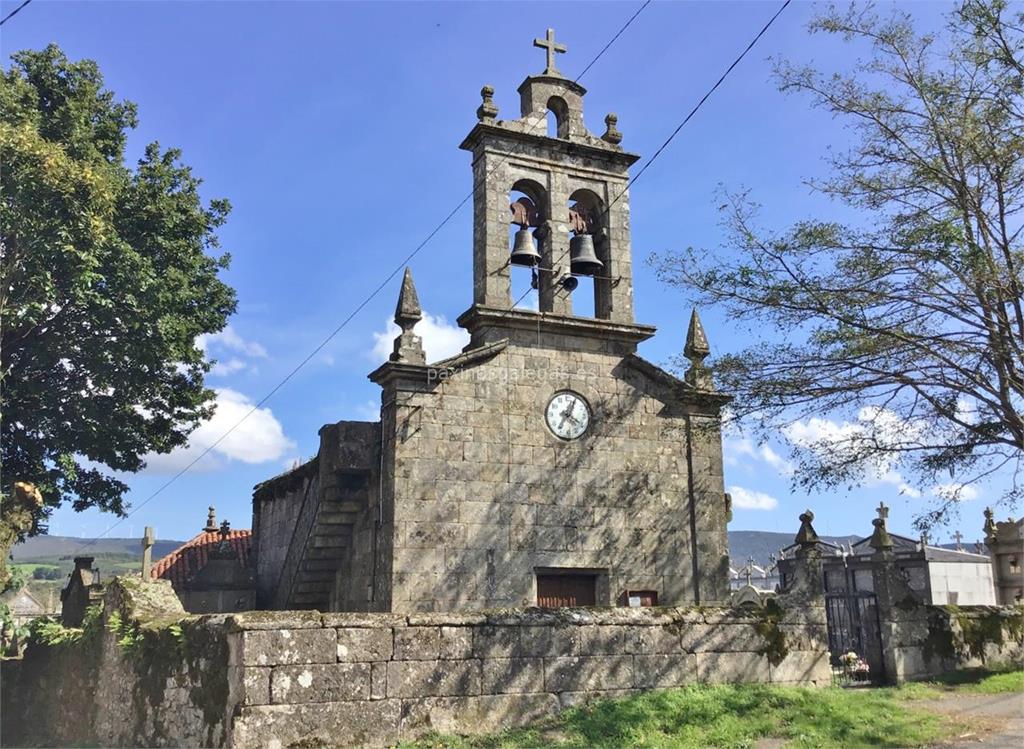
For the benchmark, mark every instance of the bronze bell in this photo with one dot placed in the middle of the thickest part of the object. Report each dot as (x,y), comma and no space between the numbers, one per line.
(582,258)
(524,251)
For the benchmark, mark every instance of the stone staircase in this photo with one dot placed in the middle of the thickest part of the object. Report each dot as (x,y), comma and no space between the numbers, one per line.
(330,541)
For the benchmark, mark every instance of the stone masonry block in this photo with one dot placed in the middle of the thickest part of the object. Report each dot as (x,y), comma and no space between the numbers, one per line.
(287,647)
(417,643)
(250,685)
(648,640)
(803,666)
(333,682)
(378,681)
(586,673)
(474,714)
(504,675)
(597,640)
(723,668)
(433,678)
(456,643)
(652,671)
(549,640)
(369,724)
(496,642)
(723,637)
(364,644)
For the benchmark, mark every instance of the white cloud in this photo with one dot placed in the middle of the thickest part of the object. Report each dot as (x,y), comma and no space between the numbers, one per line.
(225,368)
(258,439)
(873,426)
(962,492)
(440,338)
(748,499)
(229,340)
(228,343)
(735,447)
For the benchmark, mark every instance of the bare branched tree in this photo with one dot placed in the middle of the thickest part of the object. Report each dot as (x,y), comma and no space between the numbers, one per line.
(907,323)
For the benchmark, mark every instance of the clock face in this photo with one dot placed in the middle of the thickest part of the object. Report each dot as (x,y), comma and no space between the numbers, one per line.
(568,415)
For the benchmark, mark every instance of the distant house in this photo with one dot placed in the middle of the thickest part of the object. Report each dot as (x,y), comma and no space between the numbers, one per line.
(1005,542)
(211,573)
(26,605)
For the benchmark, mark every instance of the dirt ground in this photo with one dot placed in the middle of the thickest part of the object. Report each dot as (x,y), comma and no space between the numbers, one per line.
(996,720)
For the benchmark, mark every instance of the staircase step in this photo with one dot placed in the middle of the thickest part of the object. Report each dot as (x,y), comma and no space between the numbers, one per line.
(334,553)
(342,505)
(309,601)
(311,575)
(329,541)
(343,526)
(322,588)
(316,565)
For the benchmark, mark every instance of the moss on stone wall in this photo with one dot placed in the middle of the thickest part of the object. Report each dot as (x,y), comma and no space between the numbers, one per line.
(767,625)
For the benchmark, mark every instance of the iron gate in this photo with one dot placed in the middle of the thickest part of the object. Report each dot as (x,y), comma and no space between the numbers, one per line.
(852,617)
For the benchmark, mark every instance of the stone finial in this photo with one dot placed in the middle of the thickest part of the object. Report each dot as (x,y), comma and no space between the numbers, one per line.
(223,549)
(806,536)
(990,526)
(487,110)
(924,540)
(883,510)
(958,537)
(211,520)
(408,346)
(696,350)
(147,553)
(551,47)
(880,538)
(612,134)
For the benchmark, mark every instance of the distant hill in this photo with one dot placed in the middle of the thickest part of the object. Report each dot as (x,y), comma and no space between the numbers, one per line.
(59,549)
(52,549)
(760,544)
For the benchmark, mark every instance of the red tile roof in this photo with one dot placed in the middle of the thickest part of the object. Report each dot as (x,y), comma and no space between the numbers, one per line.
(191,557)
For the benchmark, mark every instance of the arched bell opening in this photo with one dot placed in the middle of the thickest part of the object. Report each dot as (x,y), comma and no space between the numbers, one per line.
(588,254)
(528,212)
(558,118)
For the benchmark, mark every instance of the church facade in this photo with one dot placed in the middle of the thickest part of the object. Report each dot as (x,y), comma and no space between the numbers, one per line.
(547,464)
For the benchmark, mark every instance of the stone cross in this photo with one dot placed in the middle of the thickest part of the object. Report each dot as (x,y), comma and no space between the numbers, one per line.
(147,553)
(552,47)
(959,537)
(883,511)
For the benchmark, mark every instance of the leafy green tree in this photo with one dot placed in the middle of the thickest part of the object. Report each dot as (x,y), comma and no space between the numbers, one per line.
(105,282)
(907,323)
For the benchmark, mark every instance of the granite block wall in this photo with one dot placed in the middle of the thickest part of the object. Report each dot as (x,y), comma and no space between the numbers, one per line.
(281,679)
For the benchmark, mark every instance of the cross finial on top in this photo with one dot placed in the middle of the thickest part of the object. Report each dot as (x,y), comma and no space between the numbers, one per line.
(552,47)
(883,511)
(959,537)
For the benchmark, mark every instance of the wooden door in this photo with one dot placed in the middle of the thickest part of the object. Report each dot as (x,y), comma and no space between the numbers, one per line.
(559,591)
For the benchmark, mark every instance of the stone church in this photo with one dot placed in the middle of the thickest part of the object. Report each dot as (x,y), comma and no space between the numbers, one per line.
(547,464)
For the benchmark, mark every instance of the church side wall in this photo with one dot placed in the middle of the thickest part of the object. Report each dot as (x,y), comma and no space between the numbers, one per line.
(485,495)
(277,507)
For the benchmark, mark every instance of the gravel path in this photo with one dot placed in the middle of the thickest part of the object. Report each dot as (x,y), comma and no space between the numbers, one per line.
(999,719)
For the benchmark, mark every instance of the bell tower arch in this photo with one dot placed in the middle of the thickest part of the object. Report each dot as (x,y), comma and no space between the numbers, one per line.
(577,215)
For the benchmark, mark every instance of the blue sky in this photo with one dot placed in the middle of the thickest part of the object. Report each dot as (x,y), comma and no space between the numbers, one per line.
(333,129)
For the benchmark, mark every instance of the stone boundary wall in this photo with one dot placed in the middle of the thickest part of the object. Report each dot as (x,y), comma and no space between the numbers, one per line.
(924,641)
(283,679)
(375,679)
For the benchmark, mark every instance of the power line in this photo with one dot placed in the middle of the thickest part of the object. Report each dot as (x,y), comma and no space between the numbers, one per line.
(14,12)
(703,99)
(348,319)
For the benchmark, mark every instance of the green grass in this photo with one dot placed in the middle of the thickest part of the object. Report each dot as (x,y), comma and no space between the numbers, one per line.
(728,717)
(970,681)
